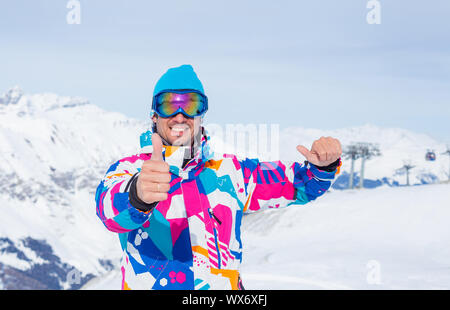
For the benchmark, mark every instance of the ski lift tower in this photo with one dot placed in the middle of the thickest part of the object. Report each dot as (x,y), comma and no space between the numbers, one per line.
(407,167)
(351,152)
(367,151)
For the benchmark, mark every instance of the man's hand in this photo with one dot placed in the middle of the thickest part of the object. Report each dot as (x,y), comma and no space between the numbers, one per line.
(153,182)
(324,151)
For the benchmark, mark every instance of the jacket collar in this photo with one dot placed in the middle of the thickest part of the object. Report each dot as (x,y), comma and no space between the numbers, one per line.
(196,156)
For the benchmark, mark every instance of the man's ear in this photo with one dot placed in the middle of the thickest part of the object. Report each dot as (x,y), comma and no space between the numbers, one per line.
(154,119)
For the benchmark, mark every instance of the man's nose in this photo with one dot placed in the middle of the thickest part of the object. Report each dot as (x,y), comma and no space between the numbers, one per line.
(179,118)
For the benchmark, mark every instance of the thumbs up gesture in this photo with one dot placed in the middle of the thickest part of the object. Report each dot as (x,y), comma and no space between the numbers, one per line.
(324,151)
(153,182)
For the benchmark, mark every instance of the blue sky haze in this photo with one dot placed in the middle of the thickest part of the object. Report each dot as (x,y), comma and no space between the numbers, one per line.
(314,64)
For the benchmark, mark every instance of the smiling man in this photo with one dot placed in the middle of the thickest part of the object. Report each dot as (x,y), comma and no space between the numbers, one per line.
(177,208)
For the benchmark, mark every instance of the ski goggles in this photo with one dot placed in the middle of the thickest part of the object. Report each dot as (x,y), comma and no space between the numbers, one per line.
(190,103)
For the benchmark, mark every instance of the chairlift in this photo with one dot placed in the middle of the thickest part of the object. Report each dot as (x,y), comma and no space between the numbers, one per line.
(430,155)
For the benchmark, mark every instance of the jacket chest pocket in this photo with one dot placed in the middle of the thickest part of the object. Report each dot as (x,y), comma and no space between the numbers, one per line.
(204,224)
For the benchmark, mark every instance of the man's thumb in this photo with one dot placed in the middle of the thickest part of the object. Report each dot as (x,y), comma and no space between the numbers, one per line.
(157,147)
(304,151)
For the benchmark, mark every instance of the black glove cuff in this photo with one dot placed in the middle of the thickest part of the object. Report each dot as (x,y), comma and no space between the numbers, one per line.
(134,199)
(331,167)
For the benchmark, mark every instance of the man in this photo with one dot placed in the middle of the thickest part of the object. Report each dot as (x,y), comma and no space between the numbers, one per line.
(178,209)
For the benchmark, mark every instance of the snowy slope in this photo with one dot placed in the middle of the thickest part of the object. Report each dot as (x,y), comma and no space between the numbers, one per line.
(54,150)
(340,241)
(383,238)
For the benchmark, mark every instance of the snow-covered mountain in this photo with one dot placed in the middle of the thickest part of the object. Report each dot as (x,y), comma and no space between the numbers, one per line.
(54,150)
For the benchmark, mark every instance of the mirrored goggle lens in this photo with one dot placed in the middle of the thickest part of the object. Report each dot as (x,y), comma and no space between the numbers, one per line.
(192,104)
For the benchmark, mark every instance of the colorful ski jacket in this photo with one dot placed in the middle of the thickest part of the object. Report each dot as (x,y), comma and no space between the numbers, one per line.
(192,240)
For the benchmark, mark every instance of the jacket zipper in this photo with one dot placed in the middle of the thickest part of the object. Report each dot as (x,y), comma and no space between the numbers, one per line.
(216,238)
(215,217)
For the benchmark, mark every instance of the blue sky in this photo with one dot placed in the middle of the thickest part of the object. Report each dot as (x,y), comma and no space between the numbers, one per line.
(297,63)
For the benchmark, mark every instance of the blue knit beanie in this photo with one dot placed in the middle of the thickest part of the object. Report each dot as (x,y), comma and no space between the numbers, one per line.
(182,77)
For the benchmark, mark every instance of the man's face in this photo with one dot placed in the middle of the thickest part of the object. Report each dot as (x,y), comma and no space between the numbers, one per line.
(177,129)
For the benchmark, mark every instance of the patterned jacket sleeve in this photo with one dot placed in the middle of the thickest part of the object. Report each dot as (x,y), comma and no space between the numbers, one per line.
(113,199)
(277,185)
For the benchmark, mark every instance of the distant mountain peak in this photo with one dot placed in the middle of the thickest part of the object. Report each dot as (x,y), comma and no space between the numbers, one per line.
(12,96)
(16,100)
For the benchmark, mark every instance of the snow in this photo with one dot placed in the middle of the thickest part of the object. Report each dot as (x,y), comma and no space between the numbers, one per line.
(332,242)
(74,231)
(110,281)
(12,259)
